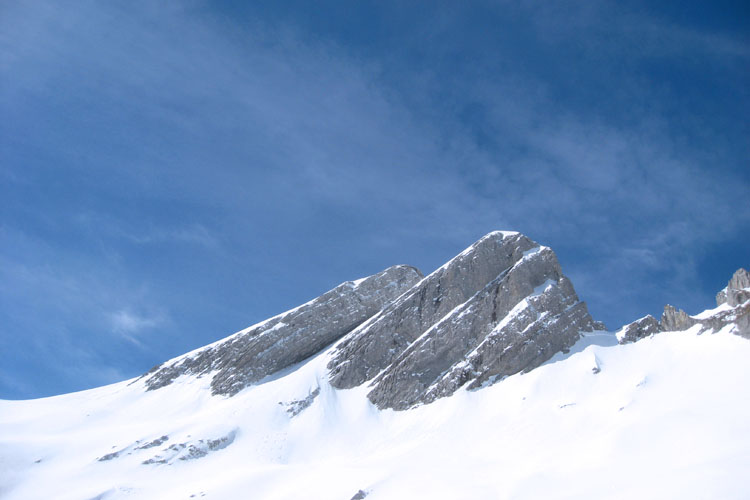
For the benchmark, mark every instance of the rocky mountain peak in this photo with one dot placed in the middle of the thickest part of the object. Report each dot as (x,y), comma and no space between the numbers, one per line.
(499,307)
(375,344)
(737,290)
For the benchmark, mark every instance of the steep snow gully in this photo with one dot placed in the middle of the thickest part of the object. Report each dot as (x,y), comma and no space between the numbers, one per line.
(487,378)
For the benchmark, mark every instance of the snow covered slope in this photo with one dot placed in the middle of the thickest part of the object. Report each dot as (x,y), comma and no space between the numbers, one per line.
(645,413)
(665,417)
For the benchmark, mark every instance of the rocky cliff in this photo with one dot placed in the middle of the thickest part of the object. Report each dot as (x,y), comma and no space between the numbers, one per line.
(500,307)
(732,310)
(737,291)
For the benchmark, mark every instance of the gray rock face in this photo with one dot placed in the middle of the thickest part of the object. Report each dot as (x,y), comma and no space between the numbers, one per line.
(500,307)
(376,344)
(739,317)
(297,406)
(736,295)
(246,357)
(742,320)
(737,291)
(638,329)
(721,297)
(191,450)
(674,320)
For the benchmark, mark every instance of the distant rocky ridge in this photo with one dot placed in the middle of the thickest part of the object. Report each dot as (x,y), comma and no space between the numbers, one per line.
(732,308)
(500,307)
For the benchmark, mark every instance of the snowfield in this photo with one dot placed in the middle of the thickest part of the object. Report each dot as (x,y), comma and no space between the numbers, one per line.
(665,417)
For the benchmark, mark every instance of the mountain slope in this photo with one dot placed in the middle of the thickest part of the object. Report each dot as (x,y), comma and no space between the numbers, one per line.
(563,409)
(623,421)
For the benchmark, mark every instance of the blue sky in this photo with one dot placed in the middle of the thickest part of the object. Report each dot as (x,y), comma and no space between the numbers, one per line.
(170,174)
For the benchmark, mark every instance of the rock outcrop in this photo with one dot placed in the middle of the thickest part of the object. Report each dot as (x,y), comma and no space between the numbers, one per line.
(376,344)
(277,343)
(675,320)
(500,307)
(644,327)
(738,317)
(733,308)
(737,290)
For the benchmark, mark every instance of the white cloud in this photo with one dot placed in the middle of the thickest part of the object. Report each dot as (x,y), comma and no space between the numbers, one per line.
(126,321)
(129,324)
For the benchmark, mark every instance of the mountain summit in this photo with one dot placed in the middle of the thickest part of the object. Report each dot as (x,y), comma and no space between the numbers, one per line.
(499,307)
(491,352)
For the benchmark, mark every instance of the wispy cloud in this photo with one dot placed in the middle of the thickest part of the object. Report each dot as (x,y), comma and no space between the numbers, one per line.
(135,231)
(129,324)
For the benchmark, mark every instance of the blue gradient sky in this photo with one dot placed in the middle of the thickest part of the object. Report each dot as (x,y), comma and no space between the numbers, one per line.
(172,174)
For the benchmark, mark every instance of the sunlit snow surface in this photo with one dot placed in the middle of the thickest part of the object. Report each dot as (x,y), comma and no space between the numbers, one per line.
(666,417)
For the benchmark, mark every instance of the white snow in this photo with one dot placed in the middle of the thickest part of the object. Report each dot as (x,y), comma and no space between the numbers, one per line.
(710,312)
(665,417)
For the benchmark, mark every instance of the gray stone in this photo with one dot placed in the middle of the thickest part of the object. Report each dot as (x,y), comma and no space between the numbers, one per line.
(516,322)
(152,444)
(250,355)
(297,406)
(191,450)
(376,344)
(738,317)
(738,289)
(110,456)
(736,295)
(675,320)
(742,320)
(721,297)
(500,307)
(644,327)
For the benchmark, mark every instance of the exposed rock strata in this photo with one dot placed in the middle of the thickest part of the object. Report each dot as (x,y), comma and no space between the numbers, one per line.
(737,290)
(191,450)
(377,343)
(133,448)
(738,316)
(263,349)
(733,308)
(675,320)
(297,406)
(500,307)
(644,327)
